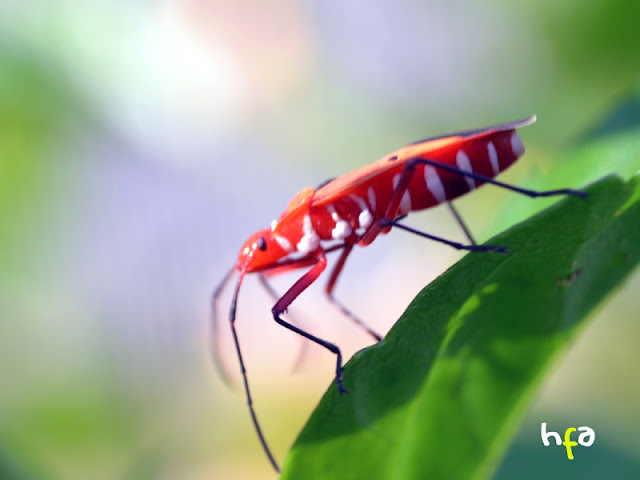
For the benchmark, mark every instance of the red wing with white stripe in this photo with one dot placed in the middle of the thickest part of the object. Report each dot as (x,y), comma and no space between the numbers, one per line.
(486,151)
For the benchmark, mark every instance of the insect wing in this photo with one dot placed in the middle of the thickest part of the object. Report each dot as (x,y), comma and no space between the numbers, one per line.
(481,132)
(342,186)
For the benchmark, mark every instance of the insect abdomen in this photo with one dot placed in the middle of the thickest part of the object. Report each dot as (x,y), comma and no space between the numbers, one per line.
(487,156)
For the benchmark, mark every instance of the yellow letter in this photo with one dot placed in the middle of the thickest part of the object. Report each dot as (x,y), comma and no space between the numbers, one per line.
(568,442)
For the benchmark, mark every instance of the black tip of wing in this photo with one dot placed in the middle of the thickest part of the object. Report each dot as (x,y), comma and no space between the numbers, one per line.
(478,131)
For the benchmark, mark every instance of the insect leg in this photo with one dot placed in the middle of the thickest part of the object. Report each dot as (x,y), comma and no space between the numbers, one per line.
(268,287)
(337,269)
(243,370)
(291,294)
(459,246)
(524,191)
(392,211)
(460,221)
(273,294)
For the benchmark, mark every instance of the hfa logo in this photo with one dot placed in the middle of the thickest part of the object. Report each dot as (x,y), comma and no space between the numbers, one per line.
(586,438)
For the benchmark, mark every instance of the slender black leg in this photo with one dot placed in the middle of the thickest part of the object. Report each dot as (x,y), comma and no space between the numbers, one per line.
(302,350)
(524,191)
(403,183)
(461,223)
(297,288)
(459,246)
(348,313)
(329,346)
(337,269)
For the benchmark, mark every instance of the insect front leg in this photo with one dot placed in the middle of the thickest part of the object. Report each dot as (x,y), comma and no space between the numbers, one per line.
(337,269)
(286,300)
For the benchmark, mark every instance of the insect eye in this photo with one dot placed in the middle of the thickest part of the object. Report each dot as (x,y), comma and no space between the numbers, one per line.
(261,243)
(393,158)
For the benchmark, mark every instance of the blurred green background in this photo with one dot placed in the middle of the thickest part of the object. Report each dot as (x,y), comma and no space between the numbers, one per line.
(142,142)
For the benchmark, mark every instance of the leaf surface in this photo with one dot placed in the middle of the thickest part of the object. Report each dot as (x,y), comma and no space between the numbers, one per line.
(445,391)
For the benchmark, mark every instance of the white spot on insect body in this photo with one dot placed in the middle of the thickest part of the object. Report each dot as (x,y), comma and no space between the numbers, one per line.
(405,203)
(396,180)
(283,242)
(434,184)
(274,224)
(365,219)
(493,158)
(342,228)
(246,250)
(464,164)
(362,205)
(517,147)
(334,214)
(310,239)
(372,198)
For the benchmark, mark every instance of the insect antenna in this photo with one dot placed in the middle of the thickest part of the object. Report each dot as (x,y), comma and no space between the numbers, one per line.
(214,338)
(243,370)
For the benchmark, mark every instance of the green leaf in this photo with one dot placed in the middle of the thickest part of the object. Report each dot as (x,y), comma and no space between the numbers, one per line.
(444,393)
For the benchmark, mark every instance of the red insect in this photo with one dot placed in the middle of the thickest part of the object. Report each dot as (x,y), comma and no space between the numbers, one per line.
(357,207)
